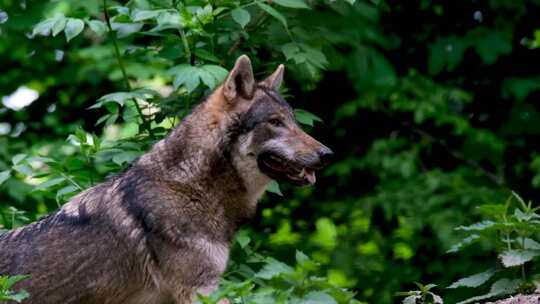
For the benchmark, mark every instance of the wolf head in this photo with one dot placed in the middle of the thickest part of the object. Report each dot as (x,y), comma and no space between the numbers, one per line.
(269,143)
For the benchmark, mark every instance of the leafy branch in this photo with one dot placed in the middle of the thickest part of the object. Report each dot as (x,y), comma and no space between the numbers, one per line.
(112,34)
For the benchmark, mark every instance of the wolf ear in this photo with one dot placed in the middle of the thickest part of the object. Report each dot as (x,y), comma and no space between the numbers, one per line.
(240,81)
(274,81)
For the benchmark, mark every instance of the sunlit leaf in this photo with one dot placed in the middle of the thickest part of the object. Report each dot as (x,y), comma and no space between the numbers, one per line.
(73,28)
(49,183)
(4,175)
(511,258)
(474,280)
(274,268)
(241,16)
(97,26)
(464,243)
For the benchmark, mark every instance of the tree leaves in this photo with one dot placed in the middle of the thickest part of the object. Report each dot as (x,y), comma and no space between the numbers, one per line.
(274,268)
(445,53)
(241,16)
(53,26)
(191,76)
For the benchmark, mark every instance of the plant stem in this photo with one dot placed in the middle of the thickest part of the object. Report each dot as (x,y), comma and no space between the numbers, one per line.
(185,43)
(72,181)
(123,69)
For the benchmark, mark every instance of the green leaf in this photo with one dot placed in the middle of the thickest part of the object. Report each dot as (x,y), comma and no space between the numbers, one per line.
(58,25)
(186,75)
(484,225)
(18,158)
(292,3)
(241,16)
(436,299)
(511,258)
(274,13)
(274,268)
(98,27)
(19,296)
(125,29)
(243,239)
(206,55)
(530,244)
(140,15)
(318,297)
(314,56)
(218,72)
(446,53)
(66,190)
(125,157)
(474,280)
(305,117)
(499,288)
(119,97)
(4,176)
(411,299)
(49,183)
(326,233)
(44,27)
(464,243)
(12,280)
(73,28)
(290,50)
(273,187)
(490,44)
(23,169)
(207,78)
(301,258)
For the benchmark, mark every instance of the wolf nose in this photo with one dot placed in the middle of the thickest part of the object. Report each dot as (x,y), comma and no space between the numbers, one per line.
(326,155)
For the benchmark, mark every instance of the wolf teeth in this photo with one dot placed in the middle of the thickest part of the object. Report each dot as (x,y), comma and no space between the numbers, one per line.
(302,173)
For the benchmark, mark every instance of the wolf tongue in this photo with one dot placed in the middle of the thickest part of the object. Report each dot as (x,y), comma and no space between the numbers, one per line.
(310,175)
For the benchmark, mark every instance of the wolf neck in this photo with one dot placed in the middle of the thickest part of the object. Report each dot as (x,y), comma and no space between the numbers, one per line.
(198,154)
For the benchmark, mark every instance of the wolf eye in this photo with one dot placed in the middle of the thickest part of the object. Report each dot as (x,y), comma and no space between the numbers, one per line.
(275,122)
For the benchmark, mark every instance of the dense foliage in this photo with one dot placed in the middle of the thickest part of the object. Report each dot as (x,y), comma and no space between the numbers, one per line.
(429,106)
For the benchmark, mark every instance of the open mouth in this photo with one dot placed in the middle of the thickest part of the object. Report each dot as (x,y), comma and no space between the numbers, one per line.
(280,168)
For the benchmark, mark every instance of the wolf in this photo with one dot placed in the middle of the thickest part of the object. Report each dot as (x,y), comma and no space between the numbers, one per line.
(160,232)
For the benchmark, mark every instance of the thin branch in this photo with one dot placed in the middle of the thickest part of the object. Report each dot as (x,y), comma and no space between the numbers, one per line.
(72,181)
(112,34)
(185,43)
